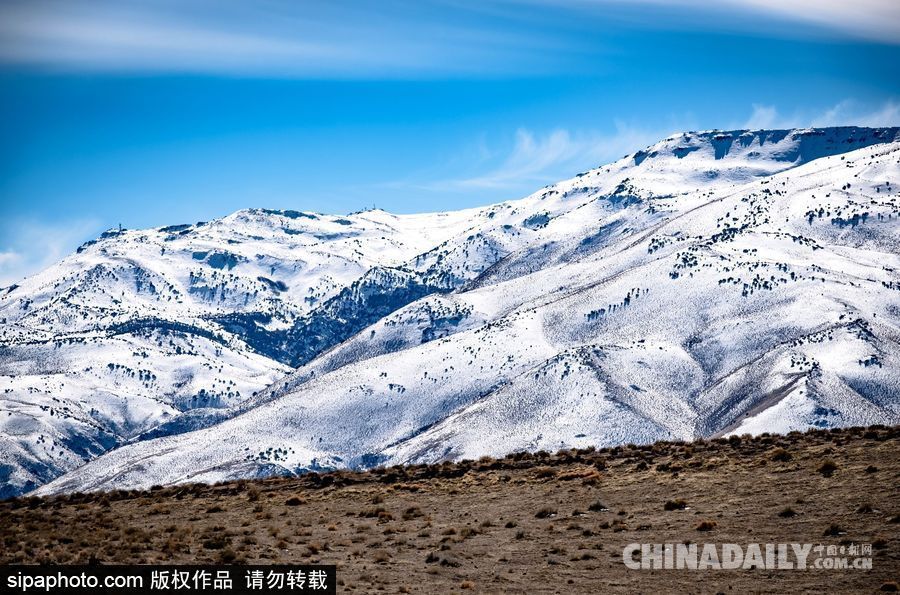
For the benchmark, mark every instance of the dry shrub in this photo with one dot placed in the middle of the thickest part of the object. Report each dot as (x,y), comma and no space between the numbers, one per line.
(781,455)
(827,468)
(544,472)
(380,557)
(677,504)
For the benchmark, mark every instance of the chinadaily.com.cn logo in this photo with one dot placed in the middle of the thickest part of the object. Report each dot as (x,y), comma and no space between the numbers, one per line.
(734,556)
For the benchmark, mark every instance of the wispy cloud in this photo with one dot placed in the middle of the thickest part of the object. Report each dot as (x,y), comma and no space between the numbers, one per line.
(846,113)
(533,158)
(391,38)
(536,158)
(28,247)
(278,37)
(877,20)
(9,258)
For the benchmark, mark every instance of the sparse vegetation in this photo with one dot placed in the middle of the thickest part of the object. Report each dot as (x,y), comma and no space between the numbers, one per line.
(781,455)
(476,520)
(598,506)
(544,472)
(827,468)
(678,504)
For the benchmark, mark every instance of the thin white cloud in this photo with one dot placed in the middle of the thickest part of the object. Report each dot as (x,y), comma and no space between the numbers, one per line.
(877,20)
(845,113)
(764,116)
(279,37)
(29,247)
(530,159)
(536,159)
(9,258)
(390,38)
(108,42)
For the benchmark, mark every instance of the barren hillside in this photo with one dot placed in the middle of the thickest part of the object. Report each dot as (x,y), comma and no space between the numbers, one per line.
(525,523)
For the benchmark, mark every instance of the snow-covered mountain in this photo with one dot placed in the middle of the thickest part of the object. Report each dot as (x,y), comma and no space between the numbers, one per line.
(152,332)
(715,282)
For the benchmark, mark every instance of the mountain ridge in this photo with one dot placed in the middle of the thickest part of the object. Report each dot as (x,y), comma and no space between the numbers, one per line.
(558,248)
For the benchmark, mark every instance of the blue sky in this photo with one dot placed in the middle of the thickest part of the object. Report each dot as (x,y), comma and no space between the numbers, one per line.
(151,113)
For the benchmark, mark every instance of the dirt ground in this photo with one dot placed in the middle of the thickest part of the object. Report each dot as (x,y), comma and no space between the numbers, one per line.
(542,523)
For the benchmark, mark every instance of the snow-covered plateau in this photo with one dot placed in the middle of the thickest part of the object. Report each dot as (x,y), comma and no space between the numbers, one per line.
(714,283)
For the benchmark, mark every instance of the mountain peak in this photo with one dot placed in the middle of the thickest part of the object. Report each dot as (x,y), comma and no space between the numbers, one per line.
(795,146)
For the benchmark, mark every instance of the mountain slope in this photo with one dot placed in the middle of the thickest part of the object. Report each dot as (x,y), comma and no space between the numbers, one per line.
(713,283)
(152,332)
